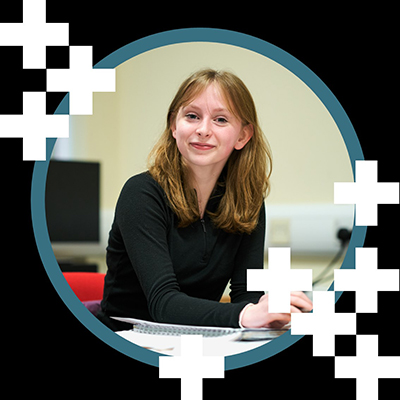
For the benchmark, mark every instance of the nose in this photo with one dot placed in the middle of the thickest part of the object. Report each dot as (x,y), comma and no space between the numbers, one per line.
(204,129)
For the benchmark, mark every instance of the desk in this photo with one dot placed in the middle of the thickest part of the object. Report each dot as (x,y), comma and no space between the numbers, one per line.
(170,345)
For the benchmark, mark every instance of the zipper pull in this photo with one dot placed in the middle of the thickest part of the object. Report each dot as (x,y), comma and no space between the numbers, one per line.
(203,224)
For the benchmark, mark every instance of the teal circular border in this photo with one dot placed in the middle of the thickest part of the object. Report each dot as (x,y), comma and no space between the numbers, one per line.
(113,60)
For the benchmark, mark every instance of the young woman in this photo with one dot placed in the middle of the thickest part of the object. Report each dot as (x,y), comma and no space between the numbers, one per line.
(196,219)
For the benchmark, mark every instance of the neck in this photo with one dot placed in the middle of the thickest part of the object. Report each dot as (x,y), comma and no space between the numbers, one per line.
(204,184)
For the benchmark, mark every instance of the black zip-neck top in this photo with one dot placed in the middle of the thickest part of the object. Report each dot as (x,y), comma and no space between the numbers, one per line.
(159,272)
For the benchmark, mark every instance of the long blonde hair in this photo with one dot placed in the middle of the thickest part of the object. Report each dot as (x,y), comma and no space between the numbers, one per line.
(247,170)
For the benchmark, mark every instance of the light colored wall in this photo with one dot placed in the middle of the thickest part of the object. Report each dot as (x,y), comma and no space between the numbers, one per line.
(309,152)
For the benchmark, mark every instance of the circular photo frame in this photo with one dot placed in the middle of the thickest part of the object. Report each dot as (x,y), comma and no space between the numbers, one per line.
(191,35)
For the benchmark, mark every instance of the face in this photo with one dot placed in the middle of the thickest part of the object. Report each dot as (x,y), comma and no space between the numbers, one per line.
(206,132)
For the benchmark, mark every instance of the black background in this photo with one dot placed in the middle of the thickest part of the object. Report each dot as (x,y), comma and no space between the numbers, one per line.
(352,51)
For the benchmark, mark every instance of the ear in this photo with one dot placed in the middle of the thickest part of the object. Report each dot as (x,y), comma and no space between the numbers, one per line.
(173,129)
(173,125)
(245,135)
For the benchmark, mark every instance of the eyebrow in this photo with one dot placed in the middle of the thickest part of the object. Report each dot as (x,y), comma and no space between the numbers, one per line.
(216,110)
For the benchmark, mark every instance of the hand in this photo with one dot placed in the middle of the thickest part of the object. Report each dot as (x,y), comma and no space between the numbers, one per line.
(257,316)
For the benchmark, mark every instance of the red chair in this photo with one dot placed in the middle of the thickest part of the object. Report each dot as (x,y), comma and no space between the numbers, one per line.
(88,287)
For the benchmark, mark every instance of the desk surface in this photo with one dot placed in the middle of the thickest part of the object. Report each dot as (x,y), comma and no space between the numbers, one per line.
(170,345)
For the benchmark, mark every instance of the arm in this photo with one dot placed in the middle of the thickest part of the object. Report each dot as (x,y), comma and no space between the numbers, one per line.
(144,219)
(250,255)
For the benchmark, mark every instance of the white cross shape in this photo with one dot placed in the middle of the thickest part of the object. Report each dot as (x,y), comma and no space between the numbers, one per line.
(34,126)
(279,280)
(191,367)
(81,80)
(367,367)
(366,280)
(323,323)
(366,193)
(34,34)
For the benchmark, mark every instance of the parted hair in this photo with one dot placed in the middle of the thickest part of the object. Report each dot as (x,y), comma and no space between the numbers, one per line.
(247,170)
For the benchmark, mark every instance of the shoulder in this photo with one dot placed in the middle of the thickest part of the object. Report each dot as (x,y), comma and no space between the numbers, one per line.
(141,183)
(144,178)
(141,191)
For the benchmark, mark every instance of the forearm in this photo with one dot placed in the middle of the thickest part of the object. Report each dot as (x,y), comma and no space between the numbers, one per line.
(179,308)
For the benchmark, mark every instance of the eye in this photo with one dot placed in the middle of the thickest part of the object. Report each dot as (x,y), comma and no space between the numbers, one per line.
(221,120)
(191,116)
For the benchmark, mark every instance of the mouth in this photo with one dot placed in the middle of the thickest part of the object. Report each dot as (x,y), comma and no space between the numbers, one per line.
(202,146)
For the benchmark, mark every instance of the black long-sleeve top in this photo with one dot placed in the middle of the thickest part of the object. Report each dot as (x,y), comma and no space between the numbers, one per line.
(159,272)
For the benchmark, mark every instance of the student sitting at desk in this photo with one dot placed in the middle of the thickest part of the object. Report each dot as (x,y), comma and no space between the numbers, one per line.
(196,218)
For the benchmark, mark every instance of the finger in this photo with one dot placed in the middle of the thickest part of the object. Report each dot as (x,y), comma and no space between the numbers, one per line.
(301,295)
(278,320)
(301,302)
(277,324)
(279,316)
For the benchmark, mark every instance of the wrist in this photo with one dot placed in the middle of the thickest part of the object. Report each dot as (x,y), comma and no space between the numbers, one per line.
(242,321)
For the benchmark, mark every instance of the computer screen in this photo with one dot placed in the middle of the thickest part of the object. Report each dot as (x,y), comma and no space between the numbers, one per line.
(73,201)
